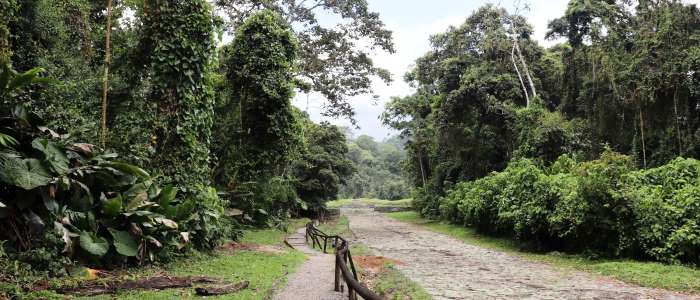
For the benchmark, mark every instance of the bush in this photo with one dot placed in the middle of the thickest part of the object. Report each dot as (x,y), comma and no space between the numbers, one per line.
(65,200)
(593,217)
(602,207)
(479,205)
(667,205)
(426,202)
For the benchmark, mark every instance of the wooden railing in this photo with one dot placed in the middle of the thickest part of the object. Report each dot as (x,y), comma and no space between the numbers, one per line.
(342,259)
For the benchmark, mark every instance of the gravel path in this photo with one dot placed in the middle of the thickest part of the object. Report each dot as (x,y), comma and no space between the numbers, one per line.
(450,269)
(314,279)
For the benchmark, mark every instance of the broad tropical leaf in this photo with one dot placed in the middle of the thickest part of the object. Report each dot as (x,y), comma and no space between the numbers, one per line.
(7,140)
(93,244)
(128,169)
(112,207)
(124,243)
(24,173)
(55,157)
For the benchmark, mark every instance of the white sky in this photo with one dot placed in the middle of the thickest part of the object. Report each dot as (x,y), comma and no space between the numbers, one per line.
(413,22)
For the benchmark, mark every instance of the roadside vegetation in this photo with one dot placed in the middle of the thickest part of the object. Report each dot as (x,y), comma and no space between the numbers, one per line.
(192,142)
(265,271)
(644,273)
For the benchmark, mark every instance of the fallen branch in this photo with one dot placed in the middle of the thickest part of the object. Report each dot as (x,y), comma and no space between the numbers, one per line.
(221,290)
(94,288)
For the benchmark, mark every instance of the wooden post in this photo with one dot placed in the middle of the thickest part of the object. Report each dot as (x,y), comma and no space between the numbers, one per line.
(337,273)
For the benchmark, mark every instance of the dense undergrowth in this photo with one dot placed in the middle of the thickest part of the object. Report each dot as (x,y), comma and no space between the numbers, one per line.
(265,271)
(602,207)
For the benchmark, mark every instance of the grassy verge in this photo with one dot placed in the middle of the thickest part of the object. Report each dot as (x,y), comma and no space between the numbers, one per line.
(340,226)
(647,274)
(374,202)
(393,285)
(264,271)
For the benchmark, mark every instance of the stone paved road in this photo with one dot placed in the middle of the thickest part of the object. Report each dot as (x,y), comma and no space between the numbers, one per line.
(450,269)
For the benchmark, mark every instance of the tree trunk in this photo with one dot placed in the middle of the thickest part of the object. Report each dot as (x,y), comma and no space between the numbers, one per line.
(641,127)
(525,68)
(678,126)
(520,76)
(105,82)
(422,170)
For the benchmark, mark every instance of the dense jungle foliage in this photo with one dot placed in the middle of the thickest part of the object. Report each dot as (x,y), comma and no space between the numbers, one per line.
(587,146)
(132,134)
(378,169)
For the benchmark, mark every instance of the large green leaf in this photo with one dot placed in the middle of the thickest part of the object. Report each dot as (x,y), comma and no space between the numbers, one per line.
(93,244)
(55,157)
(165,201)
(124,243)
(137,195)
(128,169)
(24,173)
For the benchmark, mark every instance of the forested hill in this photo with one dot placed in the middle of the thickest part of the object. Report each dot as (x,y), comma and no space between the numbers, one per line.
(378,169)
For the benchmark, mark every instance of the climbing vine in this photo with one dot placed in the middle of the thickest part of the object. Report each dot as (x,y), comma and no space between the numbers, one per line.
(179,36)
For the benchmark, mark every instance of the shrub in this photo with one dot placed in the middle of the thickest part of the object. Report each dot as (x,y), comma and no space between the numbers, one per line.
(64,199)
(426,202)
(593,217)
(667,205)
(479,204)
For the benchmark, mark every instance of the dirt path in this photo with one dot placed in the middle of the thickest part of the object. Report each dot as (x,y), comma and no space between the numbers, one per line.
(314,279)
(450,269)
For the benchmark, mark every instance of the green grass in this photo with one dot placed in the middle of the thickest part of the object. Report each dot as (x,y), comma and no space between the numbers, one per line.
(264,271)
(393,285)
(340,226)
(338,203)
(374,202)
(647,274)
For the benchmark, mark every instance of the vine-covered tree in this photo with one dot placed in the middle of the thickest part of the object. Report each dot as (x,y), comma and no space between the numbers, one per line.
(331,58)
(264,133)
(178,37)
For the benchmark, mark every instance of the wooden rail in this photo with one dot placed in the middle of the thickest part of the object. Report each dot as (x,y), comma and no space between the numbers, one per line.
(342,259)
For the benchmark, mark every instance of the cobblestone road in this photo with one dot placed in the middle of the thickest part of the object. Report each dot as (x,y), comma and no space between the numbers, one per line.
(450,269)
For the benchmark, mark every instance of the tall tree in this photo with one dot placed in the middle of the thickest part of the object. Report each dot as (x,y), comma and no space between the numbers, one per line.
(331,58)
(322,167)
(261,128)
(179,38)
